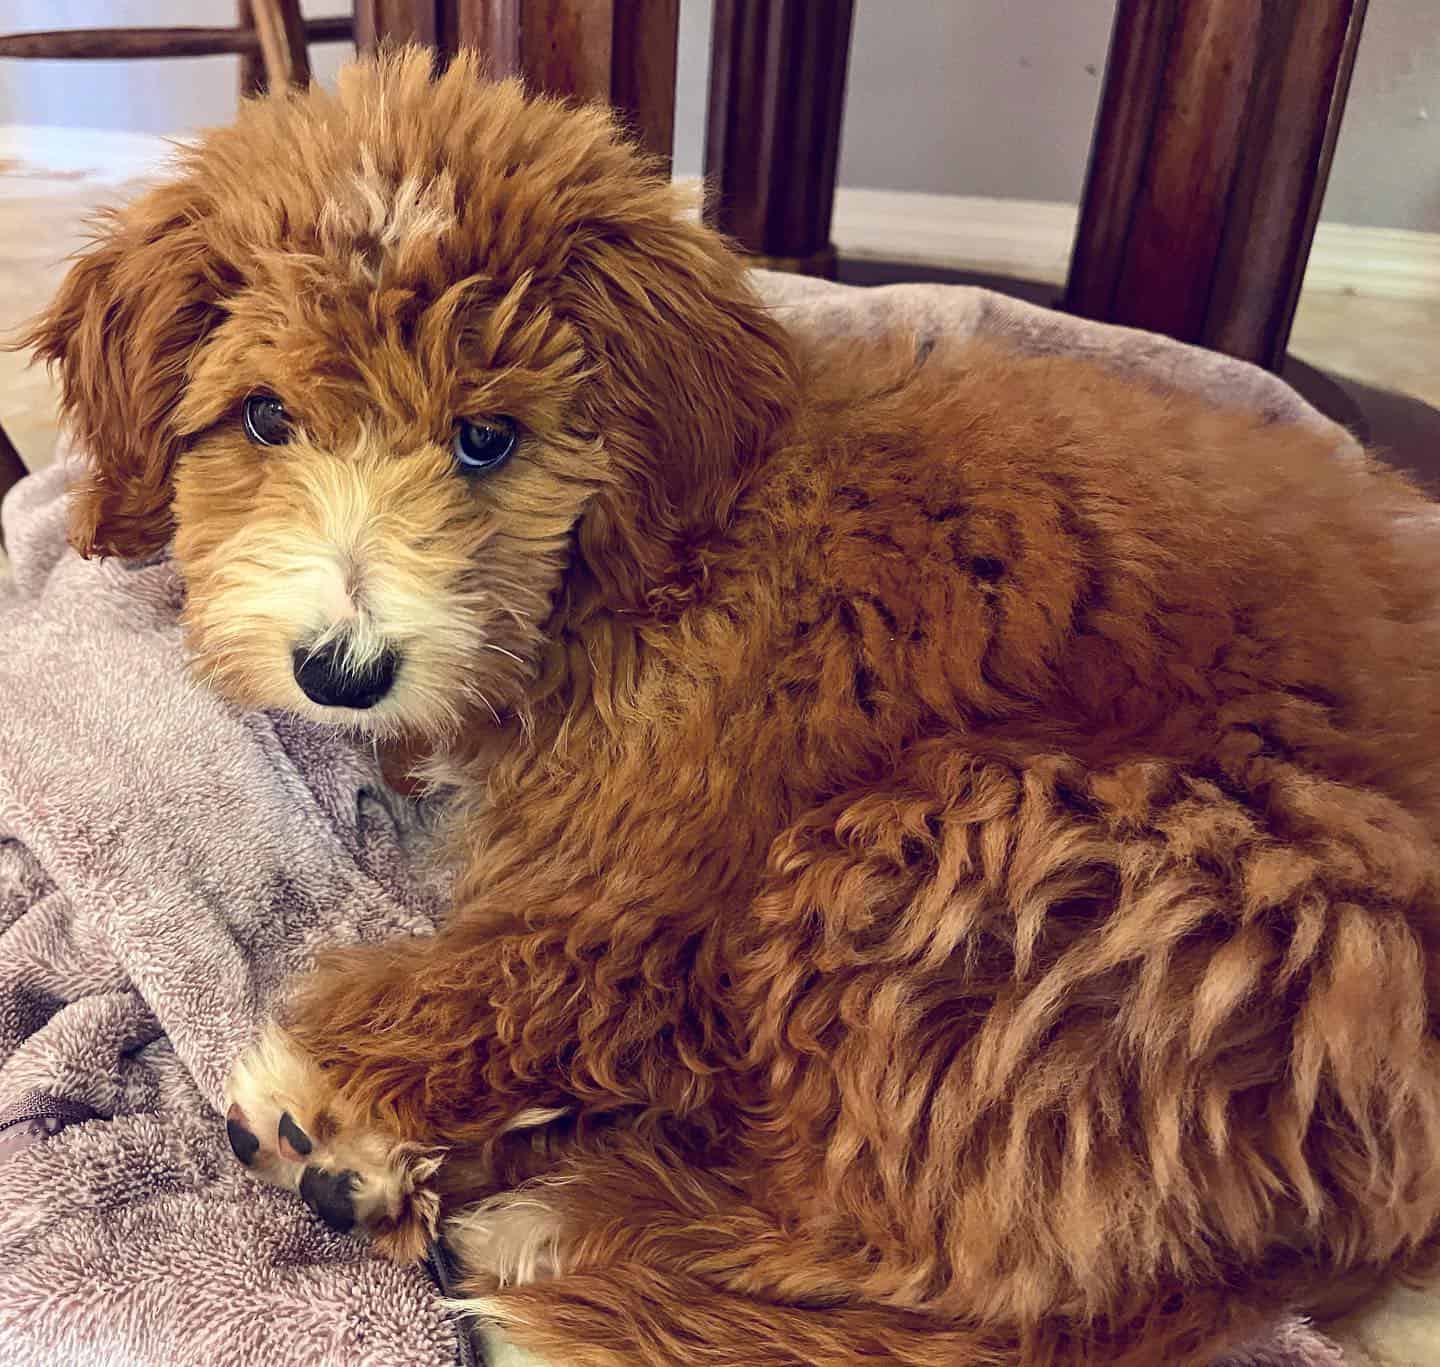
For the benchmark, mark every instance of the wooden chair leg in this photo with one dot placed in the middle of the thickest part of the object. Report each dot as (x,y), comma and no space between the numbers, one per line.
(252,64)
(1213,145)
(621,52)
(431,23)
(772,141)
(281,31)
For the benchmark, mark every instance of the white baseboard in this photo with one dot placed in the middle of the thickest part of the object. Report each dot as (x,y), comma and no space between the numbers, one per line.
(1032,239)
(957,232)
(1394,263)
(1025,238)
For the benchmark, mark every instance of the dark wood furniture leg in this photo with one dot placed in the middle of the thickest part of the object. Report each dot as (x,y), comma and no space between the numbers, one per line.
(772,140)
(283,49)
(619,51)
(411,21)
(252,64)
(1213,144)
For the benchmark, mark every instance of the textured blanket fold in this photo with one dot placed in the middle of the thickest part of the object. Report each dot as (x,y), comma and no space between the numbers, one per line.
(166,861)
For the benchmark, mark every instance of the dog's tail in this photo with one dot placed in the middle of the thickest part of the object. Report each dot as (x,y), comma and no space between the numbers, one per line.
(634,1316)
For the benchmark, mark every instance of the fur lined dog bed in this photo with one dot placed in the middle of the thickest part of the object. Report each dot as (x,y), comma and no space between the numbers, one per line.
(166,861)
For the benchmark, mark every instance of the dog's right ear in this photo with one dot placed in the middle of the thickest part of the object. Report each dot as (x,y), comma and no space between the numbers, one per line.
(122,332)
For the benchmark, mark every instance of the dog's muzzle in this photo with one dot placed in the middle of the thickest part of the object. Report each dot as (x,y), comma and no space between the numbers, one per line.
(330,677)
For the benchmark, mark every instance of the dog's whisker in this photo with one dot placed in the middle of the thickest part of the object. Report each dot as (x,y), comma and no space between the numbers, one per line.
(490,706)
(500,650)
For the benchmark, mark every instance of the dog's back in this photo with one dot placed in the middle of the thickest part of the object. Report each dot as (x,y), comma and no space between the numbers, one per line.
(1132,921)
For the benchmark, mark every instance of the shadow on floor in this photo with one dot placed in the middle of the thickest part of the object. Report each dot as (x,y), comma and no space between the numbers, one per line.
(1402,430)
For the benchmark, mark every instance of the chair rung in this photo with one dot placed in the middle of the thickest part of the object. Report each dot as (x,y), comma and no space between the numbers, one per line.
(112,44)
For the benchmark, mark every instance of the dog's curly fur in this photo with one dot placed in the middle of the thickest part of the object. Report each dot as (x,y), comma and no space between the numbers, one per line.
(947,841)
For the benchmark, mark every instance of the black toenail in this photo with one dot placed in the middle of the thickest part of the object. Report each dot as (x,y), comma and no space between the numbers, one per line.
(293,1134)
(243,1144)
(328,1195)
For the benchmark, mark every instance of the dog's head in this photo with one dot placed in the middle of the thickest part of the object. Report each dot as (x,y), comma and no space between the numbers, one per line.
(409,373)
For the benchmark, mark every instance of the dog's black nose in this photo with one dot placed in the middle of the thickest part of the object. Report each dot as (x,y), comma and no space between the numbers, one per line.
(330,677)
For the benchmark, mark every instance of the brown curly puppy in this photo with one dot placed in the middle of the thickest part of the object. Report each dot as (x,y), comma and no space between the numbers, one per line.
(947,842)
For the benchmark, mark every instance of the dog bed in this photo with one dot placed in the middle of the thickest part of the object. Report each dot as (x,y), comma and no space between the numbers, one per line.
(166,861)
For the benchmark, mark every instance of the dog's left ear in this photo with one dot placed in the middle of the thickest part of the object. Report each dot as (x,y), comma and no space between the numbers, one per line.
(692,381)
(122,331)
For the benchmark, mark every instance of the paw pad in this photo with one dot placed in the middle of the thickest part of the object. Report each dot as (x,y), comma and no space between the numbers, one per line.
(243,1144)
(331,1196)
(294,1143)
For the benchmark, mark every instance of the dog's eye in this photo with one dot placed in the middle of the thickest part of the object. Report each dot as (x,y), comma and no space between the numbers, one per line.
(481,446)
(265,420)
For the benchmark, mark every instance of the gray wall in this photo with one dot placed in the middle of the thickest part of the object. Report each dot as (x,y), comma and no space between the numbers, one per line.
(1387,163)
(974,97)
(966,97)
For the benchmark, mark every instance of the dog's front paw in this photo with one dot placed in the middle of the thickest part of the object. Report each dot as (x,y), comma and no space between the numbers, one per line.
(289,1126)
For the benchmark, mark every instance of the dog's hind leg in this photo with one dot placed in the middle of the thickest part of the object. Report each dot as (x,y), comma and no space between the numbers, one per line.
(630,1258)
(1085,1041)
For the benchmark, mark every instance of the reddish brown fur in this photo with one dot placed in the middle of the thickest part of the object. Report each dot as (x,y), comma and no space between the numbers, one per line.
(963,844)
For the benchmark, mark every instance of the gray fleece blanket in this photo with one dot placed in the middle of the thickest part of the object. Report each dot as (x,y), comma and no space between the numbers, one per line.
(167,860)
